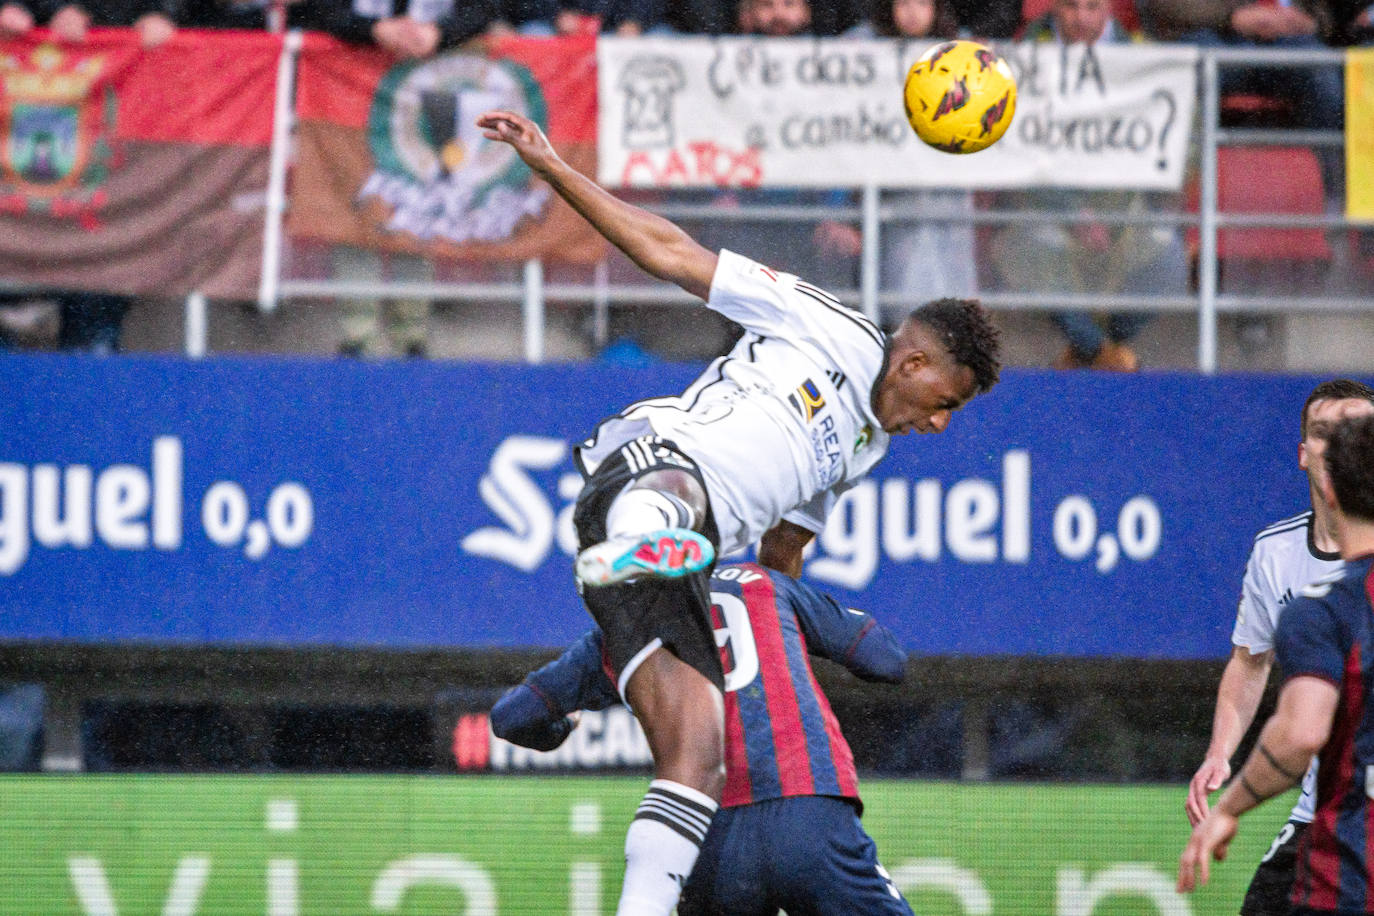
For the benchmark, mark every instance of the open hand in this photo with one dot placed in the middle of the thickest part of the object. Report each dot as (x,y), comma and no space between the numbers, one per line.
(71,23)
(154,29)
(405,38)
(14,20)
(1210,840)
(1208,778)
(523,134)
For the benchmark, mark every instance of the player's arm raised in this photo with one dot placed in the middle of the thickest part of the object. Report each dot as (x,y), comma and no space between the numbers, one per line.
(657,245)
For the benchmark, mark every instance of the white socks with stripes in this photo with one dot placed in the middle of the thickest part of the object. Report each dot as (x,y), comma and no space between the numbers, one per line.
(661,847)
(639,510)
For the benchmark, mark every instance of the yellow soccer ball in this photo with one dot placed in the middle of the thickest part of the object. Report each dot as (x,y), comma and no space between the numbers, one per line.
(960,96)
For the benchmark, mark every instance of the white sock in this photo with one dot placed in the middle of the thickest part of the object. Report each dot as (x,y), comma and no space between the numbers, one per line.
(638,511)
(661,847)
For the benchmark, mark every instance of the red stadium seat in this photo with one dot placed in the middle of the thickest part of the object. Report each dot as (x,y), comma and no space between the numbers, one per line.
(1272,181)
(1283,180)
(1253,109)
(1123,10)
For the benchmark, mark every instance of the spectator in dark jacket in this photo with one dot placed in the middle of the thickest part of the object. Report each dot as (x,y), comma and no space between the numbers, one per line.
(405,28)
(573,17)
(1317,92)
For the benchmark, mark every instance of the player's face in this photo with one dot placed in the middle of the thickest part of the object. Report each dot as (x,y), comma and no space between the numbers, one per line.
(921,393)
(913,18)
(779,18)
(1081,20)
(1322,417)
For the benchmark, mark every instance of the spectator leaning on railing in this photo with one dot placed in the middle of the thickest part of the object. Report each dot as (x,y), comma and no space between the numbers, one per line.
(1091,256)
(828,258)
(927,257)
(412,30)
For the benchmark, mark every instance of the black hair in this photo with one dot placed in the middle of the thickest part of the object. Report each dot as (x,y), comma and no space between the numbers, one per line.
(968,333)
(1350,465)
(1336,389)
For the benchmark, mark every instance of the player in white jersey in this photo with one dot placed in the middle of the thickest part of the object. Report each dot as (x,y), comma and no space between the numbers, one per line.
(757,449)
(1287,556)
(792,395)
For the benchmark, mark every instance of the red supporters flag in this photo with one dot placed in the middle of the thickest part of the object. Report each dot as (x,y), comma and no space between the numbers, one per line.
(132,170)
(389,155)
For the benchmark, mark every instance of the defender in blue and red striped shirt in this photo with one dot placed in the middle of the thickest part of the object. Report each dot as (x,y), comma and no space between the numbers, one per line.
(788,834)
(1325,645)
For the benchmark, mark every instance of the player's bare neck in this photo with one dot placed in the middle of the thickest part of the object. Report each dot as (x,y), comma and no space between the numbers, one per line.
(1357,538)
(1324,536)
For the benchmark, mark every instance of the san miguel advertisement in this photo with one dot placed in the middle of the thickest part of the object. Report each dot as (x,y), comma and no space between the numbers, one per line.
(389,155)
(136,170)
(302,503)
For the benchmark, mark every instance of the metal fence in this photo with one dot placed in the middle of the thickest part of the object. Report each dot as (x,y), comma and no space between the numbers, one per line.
(601,289)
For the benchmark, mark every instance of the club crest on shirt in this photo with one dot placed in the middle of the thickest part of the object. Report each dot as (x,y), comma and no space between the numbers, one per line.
(865,436)
(807,400)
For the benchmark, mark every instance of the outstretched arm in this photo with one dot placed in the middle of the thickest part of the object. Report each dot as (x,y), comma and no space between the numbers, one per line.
(843,634)
(543,711)
(658,246)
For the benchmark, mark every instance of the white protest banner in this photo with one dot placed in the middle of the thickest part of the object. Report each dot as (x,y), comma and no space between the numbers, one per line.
(752,112)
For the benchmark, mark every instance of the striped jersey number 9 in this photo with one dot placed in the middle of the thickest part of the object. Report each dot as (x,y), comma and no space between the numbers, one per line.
(739,638)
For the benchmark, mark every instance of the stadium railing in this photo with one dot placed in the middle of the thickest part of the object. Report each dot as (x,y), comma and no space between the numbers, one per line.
(1336,293)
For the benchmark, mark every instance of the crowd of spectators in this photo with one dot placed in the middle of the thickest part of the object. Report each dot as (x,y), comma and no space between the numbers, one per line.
(915,252)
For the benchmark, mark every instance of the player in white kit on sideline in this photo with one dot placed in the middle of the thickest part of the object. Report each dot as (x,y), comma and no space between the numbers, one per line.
(757,449)
(1287,556)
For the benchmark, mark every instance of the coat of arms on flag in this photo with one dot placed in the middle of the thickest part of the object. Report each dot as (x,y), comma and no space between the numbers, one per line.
(55,119)
(390,156)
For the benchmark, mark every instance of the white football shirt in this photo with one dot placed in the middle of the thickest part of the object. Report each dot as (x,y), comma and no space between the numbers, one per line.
(1284,560)
(784,423)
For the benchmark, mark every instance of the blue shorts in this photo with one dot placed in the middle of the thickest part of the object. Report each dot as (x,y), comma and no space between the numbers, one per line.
(807,855)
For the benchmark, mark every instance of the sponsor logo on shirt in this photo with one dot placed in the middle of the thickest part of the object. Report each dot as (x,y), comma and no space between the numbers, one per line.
(807,400)
(825,443)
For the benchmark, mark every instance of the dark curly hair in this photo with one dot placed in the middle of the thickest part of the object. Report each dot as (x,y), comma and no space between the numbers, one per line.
(1350,464)
(968,334)
(1336,389)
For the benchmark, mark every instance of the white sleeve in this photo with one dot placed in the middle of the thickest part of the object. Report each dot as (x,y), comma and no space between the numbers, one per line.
(1255,617)
(777,304)
(812,515)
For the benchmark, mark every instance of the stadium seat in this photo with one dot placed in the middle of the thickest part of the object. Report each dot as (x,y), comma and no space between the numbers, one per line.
(1253,109)
(1123,10)
(1277,181)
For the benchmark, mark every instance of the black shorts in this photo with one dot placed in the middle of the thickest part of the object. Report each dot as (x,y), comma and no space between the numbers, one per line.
(1271,889)
(637,617)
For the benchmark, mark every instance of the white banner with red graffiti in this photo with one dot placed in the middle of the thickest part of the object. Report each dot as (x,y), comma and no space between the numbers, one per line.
(751,112)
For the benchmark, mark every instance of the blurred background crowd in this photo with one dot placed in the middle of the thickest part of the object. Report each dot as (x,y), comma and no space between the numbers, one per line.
(1081,256)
